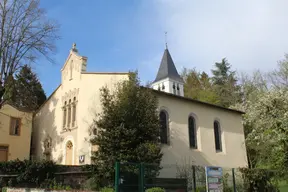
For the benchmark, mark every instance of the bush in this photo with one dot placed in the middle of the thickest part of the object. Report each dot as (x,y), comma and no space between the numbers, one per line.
(29,172)
(155,189)
(91,184)
(259,180)
(52,184)
(107,189)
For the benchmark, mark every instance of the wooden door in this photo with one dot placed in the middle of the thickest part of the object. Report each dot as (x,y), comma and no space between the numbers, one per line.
(3,153)
(69,153)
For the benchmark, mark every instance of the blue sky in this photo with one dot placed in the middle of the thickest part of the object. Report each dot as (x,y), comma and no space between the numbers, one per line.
(118,36)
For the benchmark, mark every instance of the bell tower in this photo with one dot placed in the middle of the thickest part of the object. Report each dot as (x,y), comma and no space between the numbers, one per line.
(168,79)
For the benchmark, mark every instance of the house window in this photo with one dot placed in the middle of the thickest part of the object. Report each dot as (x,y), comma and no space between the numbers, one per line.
(64,114)
(174,88)
(69,113)
(15,126)
(192,132)
(163,127)
(217,135)
(74,112)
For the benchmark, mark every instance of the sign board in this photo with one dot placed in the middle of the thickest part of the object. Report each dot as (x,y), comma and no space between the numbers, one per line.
(214,182)
(81,158)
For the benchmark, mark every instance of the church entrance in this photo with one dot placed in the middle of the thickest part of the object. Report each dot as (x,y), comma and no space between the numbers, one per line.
(69,153)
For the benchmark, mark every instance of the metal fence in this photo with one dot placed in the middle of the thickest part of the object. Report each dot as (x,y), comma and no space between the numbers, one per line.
(133,177)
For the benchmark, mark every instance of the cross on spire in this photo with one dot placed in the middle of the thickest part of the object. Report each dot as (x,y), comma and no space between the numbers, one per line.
(166,44)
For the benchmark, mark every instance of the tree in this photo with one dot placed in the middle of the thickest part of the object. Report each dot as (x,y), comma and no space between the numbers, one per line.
(279,77)
(198,86)
(25,34)
(128,127)
(269,134)
(225,84)
(28,92)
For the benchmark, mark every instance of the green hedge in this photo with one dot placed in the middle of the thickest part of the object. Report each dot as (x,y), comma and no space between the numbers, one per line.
(28,172)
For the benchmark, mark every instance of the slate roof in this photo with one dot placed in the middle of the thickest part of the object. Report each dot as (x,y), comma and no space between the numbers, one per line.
(167,68)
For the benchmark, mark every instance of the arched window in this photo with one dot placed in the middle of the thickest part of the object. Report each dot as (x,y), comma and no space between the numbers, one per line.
(64,114)
(178,89)
(74,112)
(192,132)
(174,89)
(164,127)
(69,113)
(217,135)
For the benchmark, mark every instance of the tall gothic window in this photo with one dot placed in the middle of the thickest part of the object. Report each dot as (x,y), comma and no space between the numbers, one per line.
(74,112)
(69,113)
(217,135)
(192,132)
(164,127)
(64,114)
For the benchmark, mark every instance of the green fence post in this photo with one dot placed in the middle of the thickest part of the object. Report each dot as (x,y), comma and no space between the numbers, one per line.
(194,178)
(141,184)
(117,173)
(234,182)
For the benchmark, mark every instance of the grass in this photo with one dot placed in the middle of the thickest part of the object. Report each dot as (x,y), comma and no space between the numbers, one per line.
(283,187)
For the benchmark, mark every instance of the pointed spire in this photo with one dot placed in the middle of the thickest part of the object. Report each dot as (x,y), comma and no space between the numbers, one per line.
(167,68)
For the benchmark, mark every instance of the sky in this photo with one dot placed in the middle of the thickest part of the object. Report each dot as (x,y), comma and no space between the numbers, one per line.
(128,35)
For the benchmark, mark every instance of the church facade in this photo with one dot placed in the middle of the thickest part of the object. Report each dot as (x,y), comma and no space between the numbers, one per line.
(194,131)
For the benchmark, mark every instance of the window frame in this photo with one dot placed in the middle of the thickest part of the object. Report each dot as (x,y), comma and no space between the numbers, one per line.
(195,130)
(167,127)
(219,138)
(10,126)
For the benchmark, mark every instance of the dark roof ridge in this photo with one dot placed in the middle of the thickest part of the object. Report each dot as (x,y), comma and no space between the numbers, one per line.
(167,68)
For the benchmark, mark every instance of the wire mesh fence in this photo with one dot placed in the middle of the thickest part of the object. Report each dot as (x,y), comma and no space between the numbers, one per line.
(133,177)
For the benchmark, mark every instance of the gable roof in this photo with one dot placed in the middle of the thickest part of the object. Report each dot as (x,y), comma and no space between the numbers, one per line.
(22,109)
(194,101)
(167,68)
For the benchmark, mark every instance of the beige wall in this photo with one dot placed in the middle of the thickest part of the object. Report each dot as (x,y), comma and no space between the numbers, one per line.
(18,146)
(234,150)
(48,121)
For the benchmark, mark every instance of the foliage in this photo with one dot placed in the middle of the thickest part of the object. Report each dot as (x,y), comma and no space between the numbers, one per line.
(27,91)
(91,184)
(155,189)
(107,189)
(52,184)
(267,130)
(29,171)
(25,34)
(128,127)
(259,180)
(225,84)
(198,86)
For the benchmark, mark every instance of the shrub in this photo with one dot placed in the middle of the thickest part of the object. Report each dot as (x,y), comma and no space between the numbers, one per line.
(107,189)
(52,184)
(155,189)
(32,172)
(259,180)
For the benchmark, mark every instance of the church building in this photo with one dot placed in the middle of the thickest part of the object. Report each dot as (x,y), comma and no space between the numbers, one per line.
(191,130)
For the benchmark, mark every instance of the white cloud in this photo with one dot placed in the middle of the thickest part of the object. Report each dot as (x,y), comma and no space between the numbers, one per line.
(251,34)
